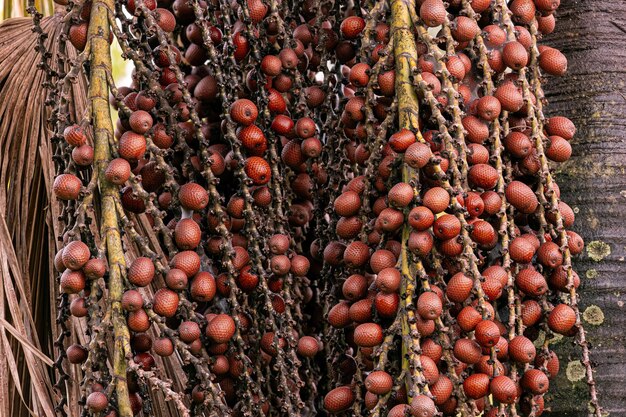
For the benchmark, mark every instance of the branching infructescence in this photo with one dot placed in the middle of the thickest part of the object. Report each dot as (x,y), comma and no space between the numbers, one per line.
(368,180)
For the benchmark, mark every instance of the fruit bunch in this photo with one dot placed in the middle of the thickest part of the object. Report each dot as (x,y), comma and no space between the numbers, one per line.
(309,208)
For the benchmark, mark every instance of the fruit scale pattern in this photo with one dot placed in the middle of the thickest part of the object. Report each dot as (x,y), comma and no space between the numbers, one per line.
(325,208)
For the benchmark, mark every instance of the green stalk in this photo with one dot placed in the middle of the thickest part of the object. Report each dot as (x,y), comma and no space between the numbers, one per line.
(100,66)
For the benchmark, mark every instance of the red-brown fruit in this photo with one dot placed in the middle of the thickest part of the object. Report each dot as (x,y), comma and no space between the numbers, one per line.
(561,319)
(132,146)
(308,346)
(352,26)
(521,349)
(97,402)
(467,351)
(509,96)
(138,321)
(522,197)
(488,108)
(503,389)
(141,272)
(560,126)
(417,155)
(423,406)
(75,255)
(188,331)
(477,130)
(521,250)
(401,140)
(549,255)
(193,196)
(271,65)
(442,389)
(82,155)
(258,170)
(535,381)
(72,282)
(515,55)
(433,13)
(421,218)
(203,287)
(187,234)
(483,176)
(76,354)
(186,261)
(163,347)
(67,187)
(140,121)
(459,287)
(429,305)
(221,328)
(464,29)
(559,149)
(531,282)
(132,300)
(78,35)
(354,287)
(359,74)
(347,204)
(75,135)
(339,399)
(339,315)
(487,333)
(436,199)
(118,171)
(446,227)
(165,302)
(518,144)
(476,386)
(244,112)
(378,382)
(552,61)
(388,280)
(368,335)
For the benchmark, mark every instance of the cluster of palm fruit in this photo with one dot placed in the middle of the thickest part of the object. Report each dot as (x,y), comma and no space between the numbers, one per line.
(352,210)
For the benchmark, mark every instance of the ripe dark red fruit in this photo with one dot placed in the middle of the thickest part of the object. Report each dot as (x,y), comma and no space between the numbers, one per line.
(165,302)
(308,346)
(339,399)
(244,112)
(476,386)
(118,171)
(433,13)
(429,305)
(75,135)
(258,170)
(141,272)
(352,26)
(378,382)
(75,255)
(192,196)
(368,335)
(97,402)
(67,186)
(562,319)
(221,328)
(503,389)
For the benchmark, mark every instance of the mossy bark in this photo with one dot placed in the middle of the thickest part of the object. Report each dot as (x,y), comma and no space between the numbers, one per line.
(592,34)
(100,67)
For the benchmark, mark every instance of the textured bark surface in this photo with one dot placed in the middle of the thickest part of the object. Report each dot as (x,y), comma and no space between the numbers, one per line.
(592,34)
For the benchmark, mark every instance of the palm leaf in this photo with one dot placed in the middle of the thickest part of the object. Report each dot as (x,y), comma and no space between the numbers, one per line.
(28,221)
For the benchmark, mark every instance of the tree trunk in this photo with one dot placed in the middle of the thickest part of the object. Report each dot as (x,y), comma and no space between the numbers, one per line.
(592,34)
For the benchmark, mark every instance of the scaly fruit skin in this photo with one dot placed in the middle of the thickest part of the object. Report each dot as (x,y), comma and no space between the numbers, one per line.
(339,399)
(67,186)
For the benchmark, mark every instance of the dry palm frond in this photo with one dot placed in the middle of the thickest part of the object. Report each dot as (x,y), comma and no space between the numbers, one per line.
(27,221)
(30,227)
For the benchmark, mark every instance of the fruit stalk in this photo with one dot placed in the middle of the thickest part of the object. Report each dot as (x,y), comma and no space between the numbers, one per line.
(405,54)
(100,64)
